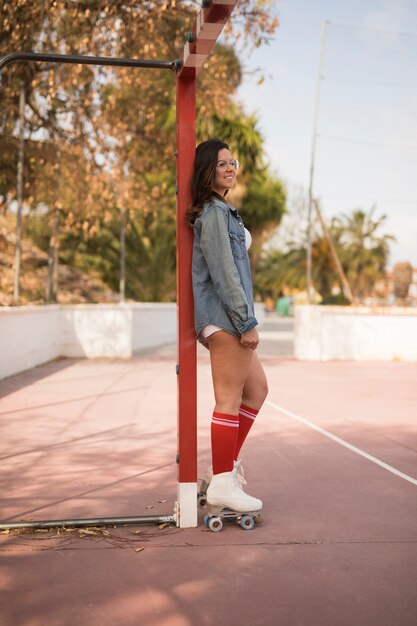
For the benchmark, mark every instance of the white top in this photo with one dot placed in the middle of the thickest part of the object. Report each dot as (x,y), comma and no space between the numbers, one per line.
(248,238)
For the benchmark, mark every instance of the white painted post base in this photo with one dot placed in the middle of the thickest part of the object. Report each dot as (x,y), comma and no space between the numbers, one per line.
(186,505)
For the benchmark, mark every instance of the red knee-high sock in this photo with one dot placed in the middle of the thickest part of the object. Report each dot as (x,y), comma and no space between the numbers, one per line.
(246,418)
(224,432)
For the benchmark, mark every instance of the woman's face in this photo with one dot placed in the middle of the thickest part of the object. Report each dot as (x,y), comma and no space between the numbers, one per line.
(225,172)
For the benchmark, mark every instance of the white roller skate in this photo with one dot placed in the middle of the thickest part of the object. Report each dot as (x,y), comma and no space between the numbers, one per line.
(206,480)
(226,500)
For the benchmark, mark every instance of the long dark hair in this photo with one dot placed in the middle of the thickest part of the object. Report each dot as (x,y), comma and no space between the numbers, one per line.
(206,157)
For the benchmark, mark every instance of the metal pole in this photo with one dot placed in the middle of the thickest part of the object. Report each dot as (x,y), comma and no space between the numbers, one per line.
(21,154)
(312,163)
(87,60)
(94,521)
(186,368)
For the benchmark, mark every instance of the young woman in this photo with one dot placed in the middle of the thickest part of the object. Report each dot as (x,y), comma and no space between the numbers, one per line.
(225,321)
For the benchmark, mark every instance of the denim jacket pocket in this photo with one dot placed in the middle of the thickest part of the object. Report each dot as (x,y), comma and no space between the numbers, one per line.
(238,245)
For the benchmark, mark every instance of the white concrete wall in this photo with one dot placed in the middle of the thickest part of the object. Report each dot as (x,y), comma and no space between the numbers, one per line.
(324,333)
(29,336)
(153,325)
(96,330)
(32,335)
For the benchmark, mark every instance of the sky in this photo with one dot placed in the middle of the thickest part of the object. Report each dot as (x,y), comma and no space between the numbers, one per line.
(366,138)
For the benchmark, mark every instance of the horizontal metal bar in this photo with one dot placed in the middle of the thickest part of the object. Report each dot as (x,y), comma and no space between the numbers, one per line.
(88,60)
(94,521)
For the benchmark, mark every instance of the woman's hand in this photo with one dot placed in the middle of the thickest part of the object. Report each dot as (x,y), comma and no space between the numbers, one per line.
(250,339)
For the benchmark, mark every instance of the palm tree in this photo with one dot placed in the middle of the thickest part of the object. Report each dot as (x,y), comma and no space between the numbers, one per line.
(239,131)
(364,252)
(263,204)
(278,270)
(259,196)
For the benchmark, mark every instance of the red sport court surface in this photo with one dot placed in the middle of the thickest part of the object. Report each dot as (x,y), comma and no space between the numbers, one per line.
(333,455)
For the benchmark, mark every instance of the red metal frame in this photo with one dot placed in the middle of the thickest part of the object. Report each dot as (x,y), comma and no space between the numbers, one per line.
(187,393)
(207,28)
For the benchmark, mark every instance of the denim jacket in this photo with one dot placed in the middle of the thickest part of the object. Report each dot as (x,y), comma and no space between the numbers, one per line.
(222,282)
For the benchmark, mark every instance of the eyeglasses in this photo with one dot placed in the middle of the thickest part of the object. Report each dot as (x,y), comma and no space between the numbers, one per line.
(233,163)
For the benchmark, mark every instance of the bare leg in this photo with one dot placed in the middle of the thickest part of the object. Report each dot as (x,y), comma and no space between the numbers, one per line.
(255,388)
(231,364)
(230,367)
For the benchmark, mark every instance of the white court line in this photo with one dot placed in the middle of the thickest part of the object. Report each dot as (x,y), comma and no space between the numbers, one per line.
(342,442)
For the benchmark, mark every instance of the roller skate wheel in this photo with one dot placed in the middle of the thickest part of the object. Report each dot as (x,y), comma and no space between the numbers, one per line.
(259,519)
(206,520)
(202,501)
(247,522)
(215,524)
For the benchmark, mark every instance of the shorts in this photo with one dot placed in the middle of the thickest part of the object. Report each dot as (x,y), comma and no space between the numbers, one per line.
(208,330)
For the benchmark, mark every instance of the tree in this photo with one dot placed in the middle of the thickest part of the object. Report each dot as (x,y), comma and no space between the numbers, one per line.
(402,278)
(279,270)
(263,205)
(116,127)
(364,252)
(240,131)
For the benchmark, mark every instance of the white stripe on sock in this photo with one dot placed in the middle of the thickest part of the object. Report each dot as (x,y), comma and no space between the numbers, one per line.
(246,414)
(221,422)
